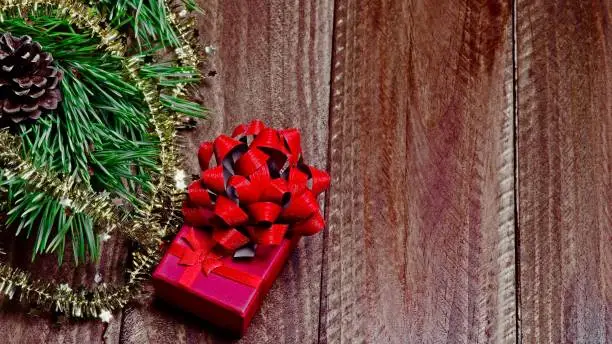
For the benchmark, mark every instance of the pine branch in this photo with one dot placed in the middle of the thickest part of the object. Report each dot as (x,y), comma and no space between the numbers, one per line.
(148,18)
(100,133)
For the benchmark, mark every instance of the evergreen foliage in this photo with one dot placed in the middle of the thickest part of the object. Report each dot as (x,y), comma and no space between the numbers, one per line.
(100,134)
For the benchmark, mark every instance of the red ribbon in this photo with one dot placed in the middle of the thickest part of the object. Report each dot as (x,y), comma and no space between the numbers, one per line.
(198,255)
(259,190)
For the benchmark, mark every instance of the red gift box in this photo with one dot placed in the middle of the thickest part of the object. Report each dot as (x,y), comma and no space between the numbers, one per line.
(259,192)
(229,295)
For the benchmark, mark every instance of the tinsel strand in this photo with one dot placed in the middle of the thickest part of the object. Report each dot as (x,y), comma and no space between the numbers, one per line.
(185,27)
(95,205)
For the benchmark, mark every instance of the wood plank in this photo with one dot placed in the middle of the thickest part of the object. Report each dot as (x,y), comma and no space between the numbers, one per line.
(420,247)
(565,164)
(273,63)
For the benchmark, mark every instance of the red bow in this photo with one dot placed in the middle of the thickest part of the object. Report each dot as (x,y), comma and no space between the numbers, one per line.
(259,190)
(196,251)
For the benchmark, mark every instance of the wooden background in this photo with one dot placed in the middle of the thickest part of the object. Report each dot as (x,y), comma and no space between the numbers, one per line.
(470,145)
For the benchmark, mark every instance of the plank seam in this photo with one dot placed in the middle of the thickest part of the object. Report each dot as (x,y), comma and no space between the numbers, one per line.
(326,236)
(517,236)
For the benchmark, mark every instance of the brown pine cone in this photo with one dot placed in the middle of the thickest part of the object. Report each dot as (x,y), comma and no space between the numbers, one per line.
(28,80)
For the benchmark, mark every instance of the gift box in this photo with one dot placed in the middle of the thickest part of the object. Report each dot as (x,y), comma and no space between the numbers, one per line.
(243,217)
(229,295)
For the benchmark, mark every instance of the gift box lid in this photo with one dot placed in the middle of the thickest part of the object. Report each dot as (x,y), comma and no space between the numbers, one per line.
(221,291)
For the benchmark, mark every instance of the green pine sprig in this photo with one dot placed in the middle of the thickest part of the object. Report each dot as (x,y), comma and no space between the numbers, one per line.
(148,19)
(100,134)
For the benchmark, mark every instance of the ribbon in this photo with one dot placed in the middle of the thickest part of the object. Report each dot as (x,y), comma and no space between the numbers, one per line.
(198,255)
(258,191)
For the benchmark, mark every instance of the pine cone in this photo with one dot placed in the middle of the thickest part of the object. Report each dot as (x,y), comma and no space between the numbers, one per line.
(28,80)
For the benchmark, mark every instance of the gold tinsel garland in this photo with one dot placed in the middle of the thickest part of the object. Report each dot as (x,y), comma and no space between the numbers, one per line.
(149,226)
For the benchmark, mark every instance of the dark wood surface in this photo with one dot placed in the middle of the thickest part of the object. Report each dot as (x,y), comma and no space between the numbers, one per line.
(469,144)
(420,246)
(565,164)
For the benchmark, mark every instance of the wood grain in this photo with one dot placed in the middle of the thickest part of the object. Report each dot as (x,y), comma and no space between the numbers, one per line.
(272,62)
(420,247)
(565,164)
